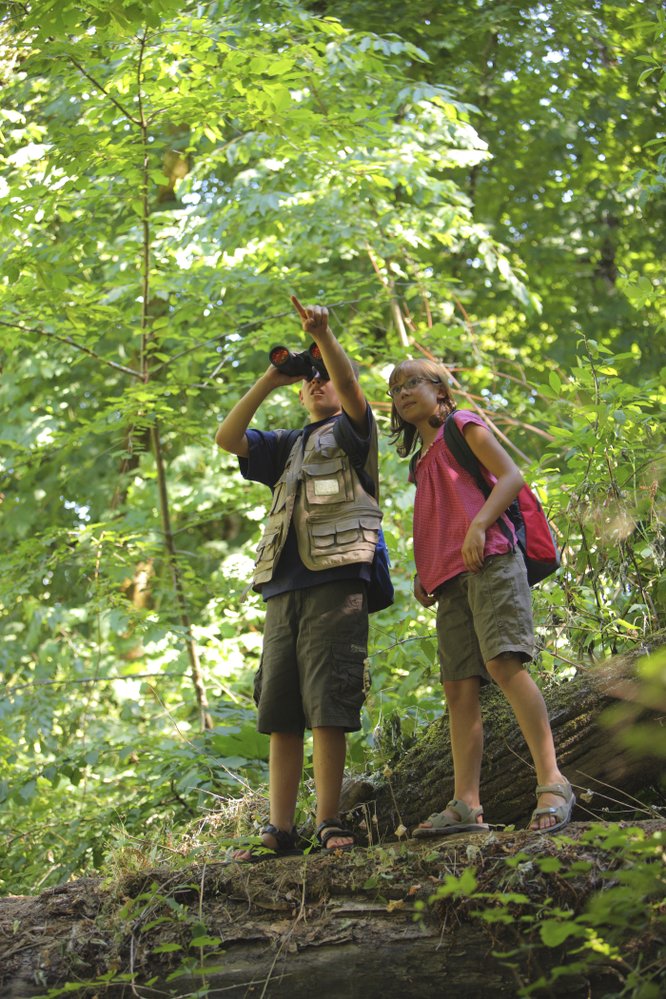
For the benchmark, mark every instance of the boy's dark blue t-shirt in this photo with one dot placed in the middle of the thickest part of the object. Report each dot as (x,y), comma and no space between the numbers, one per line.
(269,450)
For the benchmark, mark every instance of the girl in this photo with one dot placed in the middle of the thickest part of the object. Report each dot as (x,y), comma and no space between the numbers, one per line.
(469,568)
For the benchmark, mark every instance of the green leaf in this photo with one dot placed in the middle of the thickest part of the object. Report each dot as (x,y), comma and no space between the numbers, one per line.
(554,932)
(205,941)
(549,865)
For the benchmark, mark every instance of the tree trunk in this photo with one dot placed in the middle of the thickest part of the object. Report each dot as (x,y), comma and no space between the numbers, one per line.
(593,743)
(338,925)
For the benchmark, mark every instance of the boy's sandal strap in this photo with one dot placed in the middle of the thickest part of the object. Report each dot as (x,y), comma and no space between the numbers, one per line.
(249,851)
(333,829)
(286,841)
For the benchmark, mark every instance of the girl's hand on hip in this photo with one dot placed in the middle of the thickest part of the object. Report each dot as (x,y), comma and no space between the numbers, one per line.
(473,546)
(424,598)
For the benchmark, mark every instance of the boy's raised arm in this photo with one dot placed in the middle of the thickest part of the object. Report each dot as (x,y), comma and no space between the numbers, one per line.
(231,434)
(314,320)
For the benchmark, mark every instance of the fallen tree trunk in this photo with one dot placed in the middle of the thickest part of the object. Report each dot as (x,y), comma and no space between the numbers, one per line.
(365,923)
(342,924)
(594,751)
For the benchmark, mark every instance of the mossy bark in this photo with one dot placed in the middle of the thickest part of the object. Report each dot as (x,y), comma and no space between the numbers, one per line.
(356,924)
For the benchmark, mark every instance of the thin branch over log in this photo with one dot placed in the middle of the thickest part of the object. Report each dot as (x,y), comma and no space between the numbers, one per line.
(69,342)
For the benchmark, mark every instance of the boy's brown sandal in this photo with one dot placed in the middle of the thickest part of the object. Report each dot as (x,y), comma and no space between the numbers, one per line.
(286,846)
(333,829)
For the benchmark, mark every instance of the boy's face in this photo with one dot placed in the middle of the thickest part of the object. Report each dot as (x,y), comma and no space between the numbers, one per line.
(319,398)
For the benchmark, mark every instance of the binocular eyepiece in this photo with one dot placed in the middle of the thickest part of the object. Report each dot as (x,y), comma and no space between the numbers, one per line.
(306,363)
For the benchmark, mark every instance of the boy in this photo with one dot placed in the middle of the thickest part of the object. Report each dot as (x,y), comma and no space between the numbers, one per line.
(313,563)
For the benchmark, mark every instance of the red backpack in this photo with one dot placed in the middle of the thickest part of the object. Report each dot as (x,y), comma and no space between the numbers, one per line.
(534,534)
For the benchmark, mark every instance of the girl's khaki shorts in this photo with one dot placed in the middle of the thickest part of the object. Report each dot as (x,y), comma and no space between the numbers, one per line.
(483,615)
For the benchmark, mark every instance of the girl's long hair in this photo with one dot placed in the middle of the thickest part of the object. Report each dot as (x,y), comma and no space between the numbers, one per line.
(403,434)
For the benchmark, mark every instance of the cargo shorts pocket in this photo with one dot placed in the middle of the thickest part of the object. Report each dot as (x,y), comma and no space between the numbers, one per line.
(349,674)
(258,677)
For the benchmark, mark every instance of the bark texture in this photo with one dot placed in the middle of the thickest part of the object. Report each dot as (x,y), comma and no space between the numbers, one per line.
(330,925)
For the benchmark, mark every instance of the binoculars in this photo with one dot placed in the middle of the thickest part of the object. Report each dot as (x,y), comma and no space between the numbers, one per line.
(307,363)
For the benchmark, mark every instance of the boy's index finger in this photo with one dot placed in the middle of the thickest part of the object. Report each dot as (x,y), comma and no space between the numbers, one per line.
(299,308)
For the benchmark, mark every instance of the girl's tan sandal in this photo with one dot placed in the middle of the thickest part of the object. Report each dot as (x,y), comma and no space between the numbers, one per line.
(442,824)
(562,813)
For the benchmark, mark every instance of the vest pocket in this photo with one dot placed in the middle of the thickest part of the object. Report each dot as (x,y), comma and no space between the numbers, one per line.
(328,482)
(279,500)
(326,443)
(349,534)
(267,546)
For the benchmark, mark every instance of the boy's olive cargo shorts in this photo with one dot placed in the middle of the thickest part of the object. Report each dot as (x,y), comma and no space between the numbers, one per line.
(313,670)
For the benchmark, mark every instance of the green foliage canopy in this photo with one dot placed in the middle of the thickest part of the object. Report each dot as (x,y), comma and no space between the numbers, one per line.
(170,173)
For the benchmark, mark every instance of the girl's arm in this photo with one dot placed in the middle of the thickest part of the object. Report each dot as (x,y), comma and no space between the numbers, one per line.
(492,455)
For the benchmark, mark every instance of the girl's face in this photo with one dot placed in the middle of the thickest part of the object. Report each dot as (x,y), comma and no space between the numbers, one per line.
(415,395)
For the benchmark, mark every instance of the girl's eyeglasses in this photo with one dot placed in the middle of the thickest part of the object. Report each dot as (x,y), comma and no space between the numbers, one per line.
(410,384)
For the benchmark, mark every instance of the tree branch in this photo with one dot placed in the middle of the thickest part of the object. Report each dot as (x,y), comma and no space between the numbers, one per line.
(245,328)
(69,342)
(163,495)
(394,305)
(102,90)
(86,679)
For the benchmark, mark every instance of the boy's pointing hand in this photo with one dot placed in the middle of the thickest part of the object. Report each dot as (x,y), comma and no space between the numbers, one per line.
(314,318)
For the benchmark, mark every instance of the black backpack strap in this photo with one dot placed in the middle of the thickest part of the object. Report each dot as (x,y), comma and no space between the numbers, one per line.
(462,452)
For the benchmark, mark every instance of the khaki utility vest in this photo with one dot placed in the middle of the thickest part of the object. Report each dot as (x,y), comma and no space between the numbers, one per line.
(336,521)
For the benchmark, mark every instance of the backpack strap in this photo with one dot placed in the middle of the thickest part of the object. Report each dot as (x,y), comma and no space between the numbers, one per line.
(462,452)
